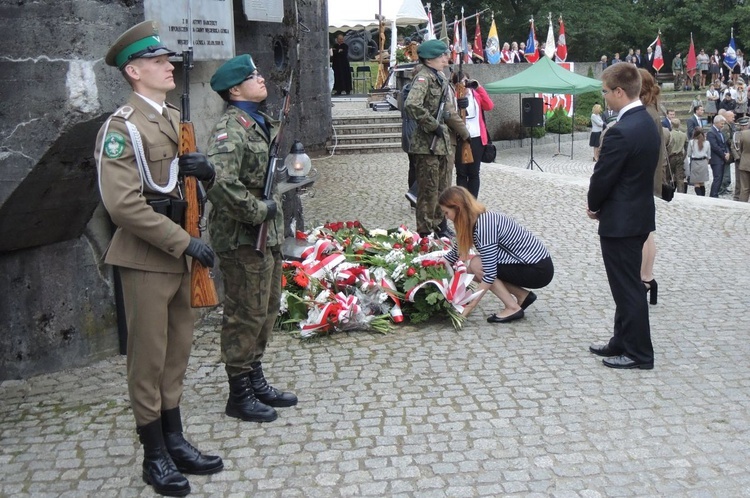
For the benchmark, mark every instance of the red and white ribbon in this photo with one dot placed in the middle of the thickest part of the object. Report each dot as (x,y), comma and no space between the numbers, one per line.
(454,289)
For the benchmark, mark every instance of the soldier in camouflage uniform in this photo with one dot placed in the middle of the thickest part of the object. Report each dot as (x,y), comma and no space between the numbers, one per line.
(434,170)
(239,148)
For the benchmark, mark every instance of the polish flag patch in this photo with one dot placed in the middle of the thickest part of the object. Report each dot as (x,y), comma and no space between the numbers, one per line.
(222,136)
(420,79)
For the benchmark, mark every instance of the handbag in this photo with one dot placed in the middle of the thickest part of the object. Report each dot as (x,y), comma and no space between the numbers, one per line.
(489,153)
(668,187)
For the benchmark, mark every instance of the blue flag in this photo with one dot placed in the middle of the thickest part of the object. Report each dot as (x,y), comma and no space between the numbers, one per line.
(730,59)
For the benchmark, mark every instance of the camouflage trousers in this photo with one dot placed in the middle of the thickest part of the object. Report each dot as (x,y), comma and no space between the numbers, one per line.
(252,287)
(434,174)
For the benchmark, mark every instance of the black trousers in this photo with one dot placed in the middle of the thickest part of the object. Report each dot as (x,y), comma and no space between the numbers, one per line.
(622,261)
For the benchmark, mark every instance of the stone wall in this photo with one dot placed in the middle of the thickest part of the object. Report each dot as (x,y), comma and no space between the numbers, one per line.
(57,307)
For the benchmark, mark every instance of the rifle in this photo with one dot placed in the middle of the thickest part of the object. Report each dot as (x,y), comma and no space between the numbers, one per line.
(273,158)
(202,289)
(440,119)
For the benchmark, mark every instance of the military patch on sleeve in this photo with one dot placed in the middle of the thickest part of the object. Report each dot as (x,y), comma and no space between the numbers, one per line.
(222,136)
(114,145)
(421,79)
(244,121)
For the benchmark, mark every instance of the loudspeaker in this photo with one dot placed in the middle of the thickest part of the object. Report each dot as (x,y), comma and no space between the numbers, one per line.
(532,112)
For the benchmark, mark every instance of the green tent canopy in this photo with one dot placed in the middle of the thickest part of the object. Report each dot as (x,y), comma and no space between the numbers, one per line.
(545,76)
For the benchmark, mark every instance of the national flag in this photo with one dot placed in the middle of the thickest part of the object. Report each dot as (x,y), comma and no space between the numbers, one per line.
(691,64)
(464,41)
(456,47)
(531,52)
(430,34)
(444,30)
(493,44)
(549,46)
(731,58)
(658,57)
(478,49)
(562,49)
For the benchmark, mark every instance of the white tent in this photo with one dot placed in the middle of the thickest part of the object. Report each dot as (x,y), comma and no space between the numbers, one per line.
(360,14)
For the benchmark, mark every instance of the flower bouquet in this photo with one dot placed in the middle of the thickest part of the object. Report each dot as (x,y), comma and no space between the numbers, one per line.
(357,279)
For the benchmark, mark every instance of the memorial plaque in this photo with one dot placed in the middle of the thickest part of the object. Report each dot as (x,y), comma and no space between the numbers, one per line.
(264,10)
(213,26)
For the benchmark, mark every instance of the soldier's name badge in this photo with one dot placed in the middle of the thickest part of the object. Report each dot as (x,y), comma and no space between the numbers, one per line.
(222,136)
(114,145)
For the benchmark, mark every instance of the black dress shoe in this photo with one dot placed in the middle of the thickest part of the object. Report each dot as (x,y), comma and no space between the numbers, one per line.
(623,361)
(493,318)
(604,350)
(528,301)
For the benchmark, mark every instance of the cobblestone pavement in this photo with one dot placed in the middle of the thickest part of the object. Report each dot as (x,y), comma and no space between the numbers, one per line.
(520,409)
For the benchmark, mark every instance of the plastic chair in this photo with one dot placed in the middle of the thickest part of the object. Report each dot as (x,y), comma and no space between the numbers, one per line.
(363,75)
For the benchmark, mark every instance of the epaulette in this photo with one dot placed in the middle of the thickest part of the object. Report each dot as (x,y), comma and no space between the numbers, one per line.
(124,112)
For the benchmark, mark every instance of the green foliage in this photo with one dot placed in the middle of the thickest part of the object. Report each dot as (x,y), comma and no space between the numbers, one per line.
(538,132)
(593,29)
(559,122)
(584,102)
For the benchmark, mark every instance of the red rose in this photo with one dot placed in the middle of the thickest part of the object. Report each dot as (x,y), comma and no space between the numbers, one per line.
(411,272)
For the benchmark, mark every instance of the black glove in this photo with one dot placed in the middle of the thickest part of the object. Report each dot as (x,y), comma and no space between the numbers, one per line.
(462,102)
(473,84)
(200,251)
(440,130)
(271,207)
(197,165)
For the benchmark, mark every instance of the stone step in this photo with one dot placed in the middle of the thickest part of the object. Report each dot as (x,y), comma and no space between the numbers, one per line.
(366,120)
(369,138)
(370,148)
(359,129)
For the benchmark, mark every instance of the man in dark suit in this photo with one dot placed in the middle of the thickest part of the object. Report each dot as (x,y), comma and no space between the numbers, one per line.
(719,153)
(667,121)
(696,121)
(638,58)
(648,61)
(621,197)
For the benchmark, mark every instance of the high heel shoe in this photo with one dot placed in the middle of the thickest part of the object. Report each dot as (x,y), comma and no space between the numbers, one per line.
(653,288)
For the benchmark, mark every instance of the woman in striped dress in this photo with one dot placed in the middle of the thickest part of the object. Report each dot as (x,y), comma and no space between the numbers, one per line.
(510,261)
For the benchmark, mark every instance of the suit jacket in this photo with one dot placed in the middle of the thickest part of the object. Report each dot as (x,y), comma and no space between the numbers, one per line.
(621,186)
(666,123)
(144,239)
(692,124)
(719,146)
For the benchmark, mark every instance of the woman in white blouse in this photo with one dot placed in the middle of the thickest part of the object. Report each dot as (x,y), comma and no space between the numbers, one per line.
(597,125)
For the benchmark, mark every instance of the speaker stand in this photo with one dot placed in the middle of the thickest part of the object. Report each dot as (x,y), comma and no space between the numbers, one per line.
(532,162)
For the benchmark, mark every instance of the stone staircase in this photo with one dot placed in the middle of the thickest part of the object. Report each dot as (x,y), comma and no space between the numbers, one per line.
(358,129)
(680,102)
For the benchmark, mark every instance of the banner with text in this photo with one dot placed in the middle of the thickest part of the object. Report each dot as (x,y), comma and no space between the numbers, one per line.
(264,10)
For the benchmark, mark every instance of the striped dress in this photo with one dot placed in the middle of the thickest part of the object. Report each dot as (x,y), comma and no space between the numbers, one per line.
(500,240)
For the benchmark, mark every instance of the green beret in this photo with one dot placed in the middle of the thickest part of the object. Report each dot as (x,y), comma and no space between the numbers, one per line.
(432,49)
(142,40)
(232,72)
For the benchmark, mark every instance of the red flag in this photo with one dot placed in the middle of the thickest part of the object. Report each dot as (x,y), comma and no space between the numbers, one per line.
(691,65)
(562,50)
(658,57)
(478,49)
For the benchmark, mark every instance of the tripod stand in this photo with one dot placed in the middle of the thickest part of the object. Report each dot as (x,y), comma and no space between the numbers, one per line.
(532,162)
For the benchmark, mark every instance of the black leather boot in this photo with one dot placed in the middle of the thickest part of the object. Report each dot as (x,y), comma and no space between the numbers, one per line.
(158,468)
(444,231)
(185,456)
(267,393)
(243,404)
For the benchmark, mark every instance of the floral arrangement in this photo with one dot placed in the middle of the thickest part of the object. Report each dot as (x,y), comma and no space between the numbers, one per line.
(352,278)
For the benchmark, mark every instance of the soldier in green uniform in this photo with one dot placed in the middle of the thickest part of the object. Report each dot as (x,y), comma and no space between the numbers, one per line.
(136,153)
(239,148)
(434,170)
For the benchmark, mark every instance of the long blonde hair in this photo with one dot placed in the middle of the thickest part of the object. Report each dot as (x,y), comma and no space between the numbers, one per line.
(467,211)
